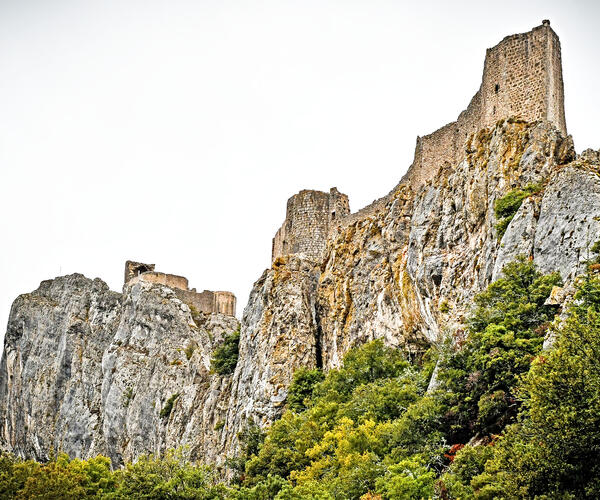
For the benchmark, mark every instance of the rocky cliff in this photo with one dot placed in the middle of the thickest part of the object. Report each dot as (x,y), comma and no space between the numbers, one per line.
(408,272)
(87,370)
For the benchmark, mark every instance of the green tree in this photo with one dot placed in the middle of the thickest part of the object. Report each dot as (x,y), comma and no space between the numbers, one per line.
(409,479)
(171,476)
(554,449)
(13,474)
(302,387)
(372,361)
(362,418)
(62,478)
(506,331)
(468,463)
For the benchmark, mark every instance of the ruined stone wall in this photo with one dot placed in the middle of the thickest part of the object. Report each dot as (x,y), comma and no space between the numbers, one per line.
(365,212)
(133,269)
(170,280)
(207,302)
(279,248)
(522,78)
(225,303)
(339,205)
(432,152)
(309,215)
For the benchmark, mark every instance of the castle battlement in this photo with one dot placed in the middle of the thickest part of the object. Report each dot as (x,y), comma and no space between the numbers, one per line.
(208,302)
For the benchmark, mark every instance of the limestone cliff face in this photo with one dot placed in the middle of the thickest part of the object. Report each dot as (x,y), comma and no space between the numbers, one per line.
(51,370)
(89,371)
(279,335)
(408,273)
(159,357)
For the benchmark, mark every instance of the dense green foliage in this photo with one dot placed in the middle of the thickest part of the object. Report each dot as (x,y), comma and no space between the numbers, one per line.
(302,387)
(503,419)
(149,478)
(506,207)
(60,478)
(226,355)
(553,449)
(371,426)
(506,331)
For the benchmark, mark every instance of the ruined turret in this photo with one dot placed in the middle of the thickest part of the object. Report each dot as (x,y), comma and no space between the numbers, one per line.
(309,217)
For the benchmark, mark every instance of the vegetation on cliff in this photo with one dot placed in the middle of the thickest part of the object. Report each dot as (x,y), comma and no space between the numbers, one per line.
(225,356)
(504,419)
(505,208)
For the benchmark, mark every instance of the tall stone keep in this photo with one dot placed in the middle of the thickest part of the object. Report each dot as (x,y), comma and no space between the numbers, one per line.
(310,215)
(522,78)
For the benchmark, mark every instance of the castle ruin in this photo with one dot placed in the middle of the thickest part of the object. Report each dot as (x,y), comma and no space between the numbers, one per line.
(522,78)
(309,217)
(207,301)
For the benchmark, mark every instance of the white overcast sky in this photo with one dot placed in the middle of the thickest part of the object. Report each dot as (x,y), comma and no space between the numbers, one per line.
(173,132)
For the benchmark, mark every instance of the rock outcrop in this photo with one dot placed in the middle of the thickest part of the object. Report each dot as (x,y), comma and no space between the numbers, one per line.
(408,272)
(279,335)
(87,370)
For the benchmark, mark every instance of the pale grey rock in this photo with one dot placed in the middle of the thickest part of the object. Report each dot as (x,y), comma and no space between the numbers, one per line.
(437,248)
(519,236)
(569,222)
(147,364)
(87,371)
(278,335)
(51,373)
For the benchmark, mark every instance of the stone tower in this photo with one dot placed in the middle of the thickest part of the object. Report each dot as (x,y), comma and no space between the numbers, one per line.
(522,78)
(309,217)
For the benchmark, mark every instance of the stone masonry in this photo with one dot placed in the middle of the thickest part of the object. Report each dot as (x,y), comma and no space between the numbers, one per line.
(309,217)
(522,78)
(208,302)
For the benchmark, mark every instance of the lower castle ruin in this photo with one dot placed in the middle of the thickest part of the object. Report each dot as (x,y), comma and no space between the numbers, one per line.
(207,301)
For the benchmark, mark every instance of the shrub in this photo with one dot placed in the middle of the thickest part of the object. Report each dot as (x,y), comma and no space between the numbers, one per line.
(168,408)
(127,396)
(226,355)
(189,350)
(506,207)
